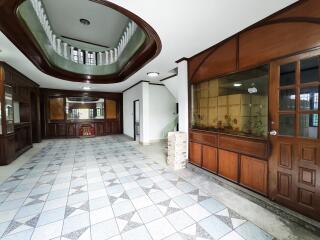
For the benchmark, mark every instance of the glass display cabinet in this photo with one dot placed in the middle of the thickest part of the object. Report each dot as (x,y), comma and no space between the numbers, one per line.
(236,104)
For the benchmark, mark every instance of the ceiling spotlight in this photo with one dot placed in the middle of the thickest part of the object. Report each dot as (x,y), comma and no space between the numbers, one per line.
(87,88)
(153,74)
(237,84)
(85,22)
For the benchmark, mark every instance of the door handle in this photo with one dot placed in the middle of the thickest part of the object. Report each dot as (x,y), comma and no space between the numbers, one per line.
(273,133)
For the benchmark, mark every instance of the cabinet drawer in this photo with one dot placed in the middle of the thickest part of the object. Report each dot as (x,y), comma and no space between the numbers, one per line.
(209,158)
(254,173)
(204,138)
(229,165)
(195,153)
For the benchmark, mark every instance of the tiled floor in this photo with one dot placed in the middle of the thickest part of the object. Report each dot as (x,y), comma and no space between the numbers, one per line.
(104,188)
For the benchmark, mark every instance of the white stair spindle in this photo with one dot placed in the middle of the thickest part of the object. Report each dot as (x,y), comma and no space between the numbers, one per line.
(59,46)
(115,54)
(107,57)
(100,58)
(80,60)
(71,53)
(65,53)
(111,56)
(54,43)
(87,58)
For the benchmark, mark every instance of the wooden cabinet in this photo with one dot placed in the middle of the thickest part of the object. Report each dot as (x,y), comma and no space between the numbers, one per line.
(254,174)
(209,158)
(195,152)
(229,165)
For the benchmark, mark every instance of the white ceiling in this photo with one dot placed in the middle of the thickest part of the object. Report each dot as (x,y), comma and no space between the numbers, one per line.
(185,27)
(105,29)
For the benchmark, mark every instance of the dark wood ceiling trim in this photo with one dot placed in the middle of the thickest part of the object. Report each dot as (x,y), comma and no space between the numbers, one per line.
(18,34)
(174,75)
(134,85)
(182,59)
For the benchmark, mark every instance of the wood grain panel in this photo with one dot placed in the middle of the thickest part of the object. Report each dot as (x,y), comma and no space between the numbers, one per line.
(259,45)
(56,109)
(209,158)
(229,165)
(251,147)
(307,176)
(219,61)
(195,153)
(308,153)
(111,109)
(285,159)
(284,184)
(204,138)
(306,197)
(254,174)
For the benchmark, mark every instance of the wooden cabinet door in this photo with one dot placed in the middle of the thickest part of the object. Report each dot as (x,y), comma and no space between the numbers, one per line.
(195,153)
(209,158)
(294,164)
(229,165)
(254,174)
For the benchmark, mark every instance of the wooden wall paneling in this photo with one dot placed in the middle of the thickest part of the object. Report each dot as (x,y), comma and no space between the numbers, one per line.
(259,45)
(254,174)
(210,158)
(220,60)
(71,130)
(204,138)
(195,153)
(99,128)
(229,165)
(252,147)
(56,109)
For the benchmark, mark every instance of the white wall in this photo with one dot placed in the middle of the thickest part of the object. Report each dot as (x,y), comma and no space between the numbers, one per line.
(172,85)
(157,109)
(162,111)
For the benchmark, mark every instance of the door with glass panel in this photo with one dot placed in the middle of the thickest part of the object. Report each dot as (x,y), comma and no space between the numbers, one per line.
(294,165)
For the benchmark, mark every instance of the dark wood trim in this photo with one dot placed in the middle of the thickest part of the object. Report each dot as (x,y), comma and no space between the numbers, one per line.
(78,40)
(134,85)
(157,84)
(182,59)
(174,75)
(18,34)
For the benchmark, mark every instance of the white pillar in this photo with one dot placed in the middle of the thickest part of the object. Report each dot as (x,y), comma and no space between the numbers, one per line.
(100,58)
(86,61)
(54,42)
(183,96)
(115,54)
(111,56)
(145,112)
(71,53)
(59,46)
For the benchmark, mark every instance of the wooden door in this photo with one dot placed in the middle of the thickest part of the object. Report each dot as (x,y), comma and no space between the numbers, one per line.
(294,169)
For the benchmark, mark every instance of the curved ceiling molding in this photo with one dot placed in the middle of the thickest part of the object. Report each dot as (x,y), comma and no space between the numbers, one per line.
(18,23)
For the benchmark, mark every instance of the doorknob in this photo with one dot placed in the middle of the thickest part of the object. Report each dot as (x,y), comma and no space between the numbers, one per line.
(273,133)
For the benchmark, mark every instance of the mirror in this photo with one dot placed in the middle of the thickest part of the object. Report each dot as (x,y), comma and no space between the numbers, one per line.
(84,108)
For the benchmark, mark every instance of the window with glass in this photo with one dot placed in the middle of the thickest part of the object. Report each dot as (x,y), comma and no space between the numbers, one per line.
(235,104)
(9,108)
(299,98)
(91,60)
(84,108)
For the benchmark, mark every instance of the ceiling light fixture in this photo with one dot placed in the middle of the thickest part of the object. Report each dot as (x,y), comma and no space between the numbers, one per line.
(237,84)
(85,22)
(86,88)
(153,74)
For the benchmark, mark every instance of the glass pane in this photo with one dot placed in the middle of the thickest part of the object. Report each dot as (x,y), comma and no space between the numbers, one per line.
(287,74)
(309,98)
(287,125)
(9,108)
(287,101)
(310,70)
(309,125)
(84,108)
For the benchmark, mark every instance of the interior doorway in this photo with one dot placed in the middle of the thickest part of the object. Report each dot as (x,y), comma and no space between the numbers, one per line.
(136,120)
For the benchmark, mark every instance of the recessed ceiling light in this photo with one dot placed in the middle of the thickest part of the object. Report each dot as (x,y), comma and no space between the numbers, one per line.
(85,21)
(86,88)
(153,74)
(237,84)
